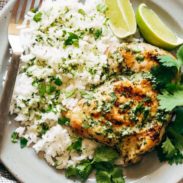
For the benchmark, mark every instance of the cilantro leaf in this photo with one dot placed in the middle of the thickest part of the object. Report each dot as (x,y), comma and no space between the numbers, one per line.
(80,171)
(103,162)
(23,142)
(103,177)
(180,55)
(72,39)
(168,101)
(177,138)
(14,137)
(70,93)
(168,148)
(42,128)
(84,169)
(50,89)
(171,149)
(97,33)
(63,121)
(117,175)
(76,145)
(168,61)
(37,17)
(172,87)
(58,81)
(163,76)
(71,172)
(82,12)
(105,154)
(42,89)
(102,8)
(177,124)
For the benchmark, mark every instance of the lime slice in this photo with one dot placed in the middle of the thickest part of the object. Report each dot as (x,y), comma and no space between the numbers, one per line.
(121,17)
(154,30)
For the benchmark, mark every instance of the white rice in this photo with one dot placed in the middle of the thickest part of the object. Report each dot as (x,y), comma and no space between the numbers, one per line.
(46,56)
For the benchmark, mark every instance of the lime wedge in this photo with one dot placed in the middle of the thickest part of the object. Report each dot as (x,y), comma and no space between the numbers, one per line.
(121,17)
(154,30)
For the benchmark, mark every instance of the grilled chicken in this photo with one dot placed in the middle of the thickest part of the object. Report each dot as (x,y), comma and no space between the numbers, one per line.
(123,111)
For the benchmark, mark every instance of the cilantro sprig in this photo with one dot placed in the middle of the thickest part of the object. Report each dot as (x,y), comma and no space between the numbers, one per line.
(171,149)
(167,74)
(103,163)
(168,78)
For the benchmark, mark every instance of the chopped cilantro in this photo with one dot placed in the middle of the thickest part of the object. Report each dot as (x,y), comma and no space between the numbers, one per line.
(42,128)
(71,172)
(23,142)
(58,81)
(70,93)
(97,33)
(117,175)
(50,89)
(45,89)
(102,8)
(37,17)
(139,109)
(42,89)
(76,145)
(82,12)
(139,58)
(145,114)
(63,121)
(14,137)
(72,39)
(84,169)
(106,107)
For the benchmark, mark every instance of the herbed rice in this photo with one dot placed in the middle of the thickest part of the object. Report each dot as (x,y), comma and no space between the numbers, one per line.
(64,56)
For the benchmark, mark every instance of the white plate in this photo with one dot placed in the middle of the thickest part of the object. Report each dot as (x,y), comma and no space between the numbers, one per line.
(28,168)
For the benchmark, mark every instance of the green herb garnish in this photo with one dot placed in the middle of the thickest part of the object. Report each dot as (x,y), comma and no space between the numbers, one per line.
(72,39)
(63,121)
(14,137)
(76,145)
(82,12)
(103,163)
(23,142)
(102,8)
(58,81)
(37,17)
(42,128)
(97,33)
